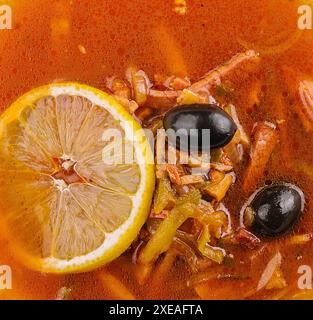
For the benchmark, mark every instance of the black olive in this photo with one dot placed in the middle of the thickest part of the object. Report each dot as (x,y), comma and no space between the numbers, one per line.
(276,209)
(194,119)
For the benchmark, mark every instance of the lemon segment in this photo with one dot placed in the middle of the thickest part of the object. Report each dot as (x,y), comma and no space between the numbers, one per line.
(66,208)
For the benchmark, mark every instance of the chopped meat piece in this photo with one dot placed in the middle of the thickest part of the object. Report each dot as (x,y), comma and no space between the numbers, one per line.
(247,238)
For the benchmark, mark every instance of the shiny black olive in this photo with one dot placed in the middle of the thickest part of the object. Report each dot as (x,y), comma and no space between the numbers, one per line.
(276,209)
(189,123)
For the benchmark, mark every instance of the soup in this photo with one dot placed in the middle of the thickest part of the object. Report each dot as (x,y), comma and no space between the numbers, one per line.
(262,82)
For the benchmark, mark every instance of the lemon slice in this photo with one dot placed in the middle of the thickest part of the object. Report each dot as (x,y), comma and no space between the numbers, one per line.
(65,207)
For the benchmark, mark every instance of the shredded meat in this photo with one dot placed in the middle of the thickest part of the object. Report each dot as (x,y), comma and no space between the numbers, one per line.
(247,238)
(239,64)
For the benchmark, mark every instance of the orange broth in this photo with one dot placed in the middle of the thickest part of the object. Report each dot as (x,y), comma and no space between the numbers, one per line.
(117,34)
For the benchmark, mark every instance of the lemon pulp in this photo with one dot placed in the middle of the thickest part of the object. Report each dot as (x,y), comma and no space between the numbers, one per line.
(65,209)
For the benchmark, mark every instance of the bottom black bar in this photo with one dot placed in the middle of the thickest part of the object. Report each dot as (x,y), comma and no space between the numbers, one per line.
(148,309)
